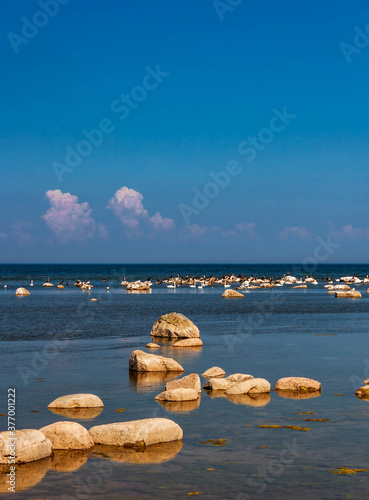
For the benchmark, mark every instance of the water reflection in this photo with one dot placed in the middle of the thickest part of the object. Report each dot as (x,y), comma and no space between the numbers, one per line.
(154,454)
(149,381)
(77,413)
(26,475)
(180,406)
(298,395)
(250,400)
(69,460)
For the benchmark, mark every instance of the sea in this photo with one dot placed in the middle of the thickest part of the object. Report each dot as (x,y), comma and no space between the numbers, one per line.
(58,341)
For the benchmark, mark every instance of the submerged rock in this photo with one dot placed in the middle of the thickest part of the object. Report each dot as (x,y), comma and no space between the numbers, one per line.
(174,325)
(77,401)
(28,445)
(137,432)
(141,361)
(179,394)
(68,436)
(194,342)
(251,386)
(214,371)
(232,294)
(191,381)
(363,392)
(298,384)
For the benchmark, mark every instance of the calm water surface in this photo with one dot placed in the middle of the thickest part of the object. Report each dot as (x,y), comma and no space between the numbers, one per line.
(57,342)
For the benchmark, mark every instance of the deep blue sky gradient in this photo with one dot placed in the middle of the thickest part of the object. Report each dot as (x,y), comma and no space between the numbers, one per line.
(225,77)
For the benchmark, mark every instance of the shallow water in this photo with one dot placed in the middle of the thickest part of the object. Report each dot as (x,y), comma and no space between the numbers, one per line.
(57,342)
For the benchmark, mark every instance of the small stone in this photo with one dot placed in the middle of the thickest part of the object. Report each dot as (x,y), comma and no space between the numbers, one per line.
(77,401)
(152,345)
(215,371)
(232,294)
(188,343)
(178,395)
(191,381)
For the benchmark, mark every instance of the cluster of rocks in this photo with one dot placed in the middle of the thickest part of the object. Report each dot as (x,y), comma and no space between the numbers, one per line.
(30,445)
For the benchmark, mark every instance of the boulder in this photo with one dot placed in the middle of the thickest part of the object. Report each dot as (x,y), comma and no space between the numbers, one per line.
(68,436)
(22,291)
(141,361)
(231,294)
(137,432)
(28,445)
(363,391)
(251,386)
(47,285)
(300,286)
(353,294)
(297,384)
(222,384)
(188,343)
(178,395)
(214,371)
(174,325)
(77,401)
(152,345)
(191,381)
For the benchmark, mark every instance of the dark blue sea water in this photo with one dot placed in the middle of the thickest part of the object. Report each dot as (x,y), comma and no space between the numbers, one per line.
(57,342)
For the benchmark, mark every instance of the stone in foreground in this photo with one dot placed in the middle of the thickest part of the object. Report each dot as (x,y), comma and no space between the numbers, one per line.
(77,401)
(194,342)
(191,381)
(141,361)
(251,386)
(28,445)
(214,371)
(174,325)
(298,384)
(22,291)
(232,294)
(68,436)
(137,432)
(178,395)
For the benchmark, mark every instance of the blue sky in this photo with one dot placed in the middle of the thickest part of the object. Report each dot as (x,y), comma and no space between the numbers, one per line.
(193,81)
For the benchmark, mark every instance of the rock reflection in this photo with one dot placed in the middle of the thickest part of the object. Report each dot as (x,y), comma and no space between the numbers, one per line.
(363,398)
(77,413)
(180,406)
(215,394)
(250,400)
(26,475)
(298,395)
(154,454)
(148,381)
(69,460)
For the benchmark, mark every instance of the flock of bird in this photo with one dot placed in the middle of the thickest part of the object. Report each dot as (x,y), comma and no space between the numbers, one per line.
(239,282)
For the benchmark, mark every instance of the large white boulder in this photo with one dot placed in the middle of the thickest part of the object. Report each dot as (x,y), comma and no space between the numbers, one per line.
(174,325)
(298,384)
(141,361)
(137,432)
(22,291)
(68,436)
(25,445)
